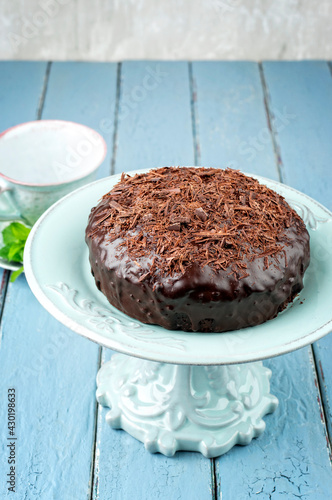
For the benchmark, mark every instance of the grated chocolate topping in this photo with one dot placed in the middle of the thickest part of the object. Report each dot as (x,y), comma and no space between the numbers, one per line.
(214,217)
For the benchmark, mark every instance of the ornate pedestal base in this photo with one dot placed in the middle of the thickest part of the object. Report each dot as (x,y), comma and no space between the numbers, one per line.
(178,407)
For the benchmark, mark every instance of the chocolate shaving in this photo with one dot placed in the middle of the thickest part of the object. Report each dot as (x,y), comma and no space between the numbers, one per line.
(175,227)
(201,214)
(116,205)
(181,219)
(213,217)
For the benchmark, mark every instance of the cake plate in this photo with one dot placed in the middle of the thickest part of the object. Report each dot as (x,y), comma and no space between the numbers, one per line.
(176,390)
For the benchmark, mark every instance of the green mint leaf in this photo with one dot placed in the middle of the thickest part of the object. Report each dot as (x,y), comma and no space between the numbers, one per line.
(14,237)
(14,233)
(16,274)
(20,254)
(20,230)
(8,236)
(12,252)
(15,252)
(4,252)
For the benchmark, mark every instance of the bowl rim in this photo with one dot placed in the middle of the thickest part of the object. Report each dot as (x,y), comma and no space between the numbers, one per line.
(42,123)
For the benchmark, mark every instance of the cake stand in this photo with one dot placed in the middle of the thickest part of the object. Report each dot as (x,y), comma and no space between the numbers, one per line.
(176,390)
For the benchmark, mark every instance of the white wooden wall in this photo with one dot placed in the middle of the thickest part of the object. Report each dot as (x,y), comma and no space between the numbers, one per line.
(109,30)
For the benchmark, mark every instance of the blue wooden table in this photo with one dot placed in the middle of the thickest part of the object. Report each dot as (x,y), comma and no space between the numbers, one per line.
(272,119)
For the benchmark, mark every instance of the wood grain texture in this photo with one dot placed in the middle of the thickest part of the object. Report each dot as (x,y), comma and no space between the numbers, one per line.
(21,87)
(322,352)
(226,120)
(305,90)
(4,278)
(153,131)
(154,116)
(231,125)
(290,459)
(53,369)
(302,92)
(282,115)
(19,102)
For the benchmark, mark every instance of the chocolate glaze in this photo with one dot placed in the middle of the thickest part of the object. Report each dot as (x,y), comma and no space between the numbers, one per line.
(200,299)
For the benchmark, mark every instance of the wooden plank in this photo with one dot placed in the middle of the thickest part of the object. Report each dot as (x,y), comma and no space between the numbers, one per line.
(52,369)
(322,352)
(289,460)
(305,89)
(231,125)
(302,91)
(19,102)
(156,131)
(19,96)
(222,129)
(85,93)
(21,87)
(154,116)
(53,372)
(288,447)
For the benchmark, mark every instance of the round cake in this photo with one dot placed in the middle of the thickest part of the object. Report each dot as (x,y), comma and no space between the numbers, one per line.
(197,249)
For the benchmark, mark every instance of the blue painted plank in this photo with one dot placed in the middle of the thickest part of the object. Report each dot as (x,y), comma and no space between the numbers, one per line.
(85,93)
(154,116)
(4,276)
(305,90)
(52,369)
(189,476)
(19,95)
(230,112)
(153,131)
(322,351)
(231,125)
(290,459)
(21,85)
(19,102)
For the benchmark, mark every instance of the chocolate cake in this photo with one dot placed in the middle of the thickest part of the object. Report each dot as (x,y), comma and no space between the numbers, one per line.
(197,249)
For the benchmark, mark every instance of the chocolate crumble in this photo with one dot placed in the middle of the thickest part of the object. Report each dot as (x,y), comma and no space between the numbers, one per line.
(210,216)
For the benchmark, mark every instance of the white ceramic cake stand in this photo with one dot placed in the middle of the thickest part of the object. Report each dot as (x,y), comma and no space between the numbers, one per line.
(176,390)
